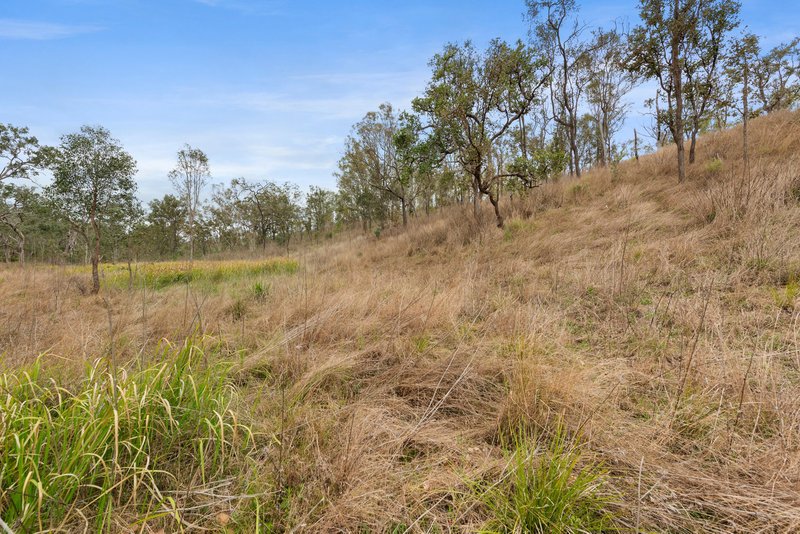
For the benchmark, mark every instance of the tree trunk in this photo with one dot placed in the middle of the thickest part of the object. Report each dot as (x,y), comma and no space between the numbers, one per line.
(404,210)
(677,81)
(692,146)
(573,144)
(476,198)
(496,204)
(191,237)
(745,116)
(96,257)
(635,145)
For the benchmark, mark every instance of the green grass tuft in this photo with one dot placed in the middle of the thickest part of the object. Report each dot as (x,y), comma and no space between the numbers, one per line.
(546,491)
(119,441)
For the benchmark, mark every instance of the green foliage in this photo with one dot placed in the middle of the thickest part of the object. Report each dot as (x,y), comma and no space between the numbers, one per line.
(319,209)
(473,99)
(545,490)
(92,177)
(787,298)
(543,164)
(119,439)
(20,152)
(93,187)
(268,209)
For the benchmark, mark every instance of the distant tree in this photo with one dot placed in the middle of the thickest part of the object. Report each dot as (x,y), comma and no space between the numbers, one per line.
(92,183)
(419,154)
(473,100)
(270,210)
(677,44)
(356,200)
(20,153)
(704,81)
(165,219)
(189,177)
(13,214)
(384,148)
(33,226)
(20,157)
(319,209)
(557,30)
(776,77)
(224,222)
(609,83)
(739,65)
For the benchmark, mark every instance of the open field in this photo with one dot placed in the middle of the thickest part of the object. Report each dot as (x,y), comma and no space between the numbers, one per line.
(625,355)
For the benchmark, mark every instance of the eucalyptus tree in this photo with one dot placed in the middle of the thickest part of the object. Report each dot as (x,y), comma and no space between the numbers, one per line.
(474,99)
(419,154)
(189,177)
(13,215)
(165,219)
(557,30)
(225,223)
(269,210)
(319,209)
(739,64)
(382,149)
(21,157)
(356,200)
(703,65)
(609,84)
(776,77)
(92,185)
(677,45)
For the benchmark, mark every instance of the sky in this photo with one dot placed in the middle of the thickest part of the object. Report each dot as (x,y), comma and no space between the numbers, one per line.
(269,89)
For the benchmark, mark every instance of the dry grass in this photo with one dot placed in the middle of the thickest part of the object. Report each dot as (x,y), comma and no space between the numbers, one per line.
(655,322)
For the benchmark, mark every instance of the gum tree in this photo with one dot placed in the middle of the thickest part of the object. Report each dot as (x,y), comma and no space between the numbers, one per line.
(678,44)
(472,102)
(189,177)
(92,185)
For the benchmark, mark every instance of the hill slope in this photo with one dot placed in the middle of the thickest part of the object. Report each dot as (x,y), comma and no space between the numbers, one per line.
(653,325)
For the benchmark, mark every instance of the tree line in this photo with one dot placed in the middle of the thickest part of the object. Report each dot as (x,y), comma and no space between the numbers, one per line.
(490,123)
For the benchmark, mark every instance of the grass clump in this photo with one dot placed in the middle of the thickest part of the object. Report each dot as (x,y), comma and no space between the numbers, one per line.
(546,490)
(122,443)
(787,298)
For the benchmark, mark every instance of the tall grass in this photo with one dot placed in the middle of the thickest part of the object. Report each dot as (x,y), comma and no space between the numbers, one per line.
(117,442)
(166,273)
(546,491)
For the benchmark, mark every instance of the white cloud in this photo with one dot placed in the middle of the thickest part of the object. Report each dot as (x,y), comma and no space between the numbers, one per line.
(40,31)
(248,7)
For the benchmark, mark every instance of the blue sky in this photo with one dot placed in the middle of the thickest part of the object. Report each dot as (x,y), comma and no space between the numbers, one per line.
(268,88)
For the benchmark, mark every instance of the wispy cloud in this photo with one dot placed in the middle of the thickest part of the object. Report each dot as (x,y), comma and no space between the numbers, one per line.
(40,31)
(249,7)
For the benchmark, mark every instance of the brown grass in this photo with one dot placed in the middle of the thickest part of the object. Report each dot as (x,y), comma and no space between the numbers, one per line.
(649,316)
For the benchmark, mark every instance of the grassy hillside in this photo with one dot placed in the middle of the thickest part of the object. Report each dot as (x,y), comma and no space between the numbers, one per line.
(625,355)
